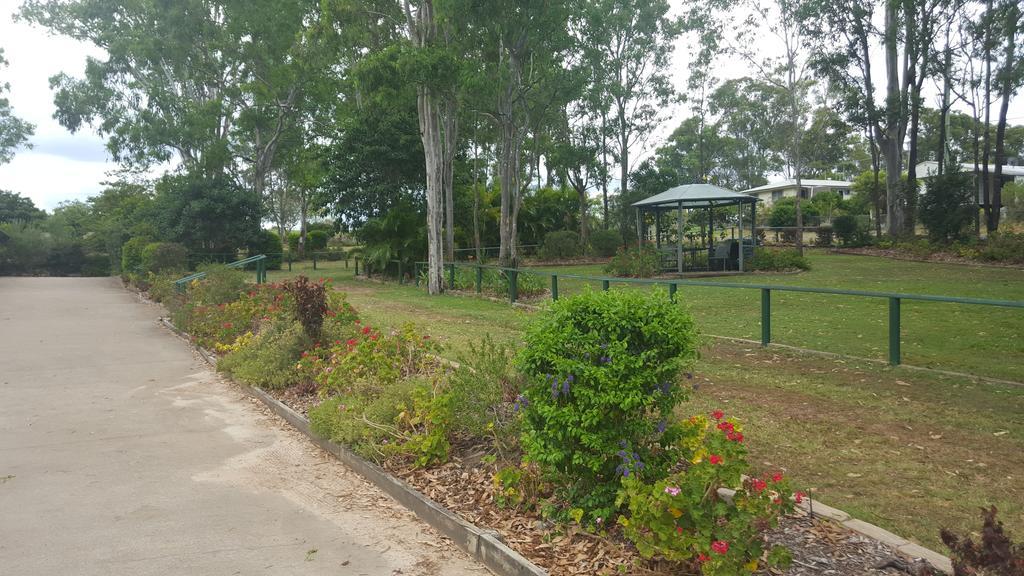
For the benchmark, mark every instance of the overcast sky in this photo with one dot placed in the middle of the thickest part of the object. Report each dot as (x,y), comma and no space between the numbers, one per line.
(64,166)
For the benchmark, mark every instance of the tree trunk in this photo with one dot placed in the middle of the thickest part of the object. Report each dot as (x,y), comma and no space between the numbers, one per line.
(303,213)
(430,134)
(509,165)
(449,143)
(910,189)
(476,203)
(986,182)
(623,151)
(947,66)
(604,166)
(1006,89)
(892,140)
(876,197)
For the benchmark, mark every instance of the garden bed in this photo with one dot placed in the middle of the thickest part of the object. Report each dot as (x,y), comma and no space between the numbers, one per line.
(934,257)
(464,485)
(571,448)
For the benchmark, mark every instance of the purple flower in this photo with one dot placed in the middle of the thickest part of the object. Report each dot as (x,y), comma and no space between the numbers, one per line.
(521,402)
(565,386)
(661,426)
(605,360)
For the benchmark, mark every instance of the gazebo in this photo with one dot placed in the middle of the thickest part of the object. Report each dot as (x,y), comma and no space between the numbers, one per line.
(691,197)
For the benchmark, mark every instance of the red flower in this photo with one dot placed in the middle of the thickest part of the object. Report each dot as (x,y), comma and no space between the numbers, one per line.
(777,500)
(735,436)
(799,497)
(758,485)
(720,546)
(715,459)
(679,529)
(725,426)
(351,341)
(305,354)
(717,414)
(777,477)
(373,337)
(227,325)
(702,557)
(426,337)
(366,329)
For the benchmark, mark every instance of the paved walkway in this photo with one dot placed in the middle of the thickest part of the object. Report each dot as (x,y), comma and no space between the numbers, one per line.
(121,453)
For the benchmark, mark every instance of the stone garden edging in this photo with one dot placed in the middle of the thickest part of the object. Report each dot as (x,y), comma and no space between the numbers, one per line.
(485,545)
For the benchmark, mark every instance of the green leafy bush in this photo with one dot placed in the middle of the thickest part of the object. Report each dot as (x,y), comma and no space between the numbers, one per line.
(642,262)
(220,286)
(561,245)
(131,255)
(316,240)
(267,360)
(945,208)
(96,265)
(484,389)
(824,236)
(164,256)
(684,518)
(1004,247)
(782,260)
(267,242)
(65,258)
(849,230)
(602,371)
(605,243)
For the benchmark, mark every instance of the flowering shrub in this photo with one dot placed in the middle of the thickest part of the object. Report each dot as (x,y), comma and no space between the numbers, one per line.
(642,262)
(603,370)
(682,517)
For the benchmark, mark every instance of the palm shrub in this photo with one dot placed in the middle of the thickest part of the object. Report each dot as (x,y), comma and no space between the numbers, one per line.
(602,380)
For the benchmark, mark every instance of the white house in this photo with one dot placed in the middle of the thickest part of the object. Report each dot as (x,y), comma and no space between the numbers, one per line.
(769,193)
(925,170)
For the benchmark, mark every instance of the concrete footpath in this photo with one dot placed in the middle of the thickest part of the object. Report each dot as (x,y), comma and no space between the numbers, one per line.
(122,453)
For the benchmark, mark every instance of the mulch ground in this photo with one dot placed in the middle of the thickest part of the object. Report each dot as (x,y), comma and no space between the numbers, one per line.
(465,485)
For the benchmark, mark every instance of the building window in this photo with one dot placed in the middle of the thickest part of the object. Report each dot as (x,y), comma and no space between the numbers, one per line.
(805,193)
(776,195)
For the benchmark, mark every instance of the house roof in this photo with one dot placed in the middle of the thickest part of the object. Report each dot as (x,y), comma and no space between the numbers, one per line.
(695,196)
(930,168)
(808,182)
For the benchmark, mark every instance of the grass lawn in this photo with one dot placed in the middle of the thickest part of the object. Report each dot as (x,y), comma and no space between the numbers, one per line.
(910,451)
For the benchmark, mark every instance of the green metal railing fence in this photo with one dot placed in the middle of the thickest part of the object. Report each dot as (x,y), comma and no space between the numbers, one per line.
(260,261)
(894,298)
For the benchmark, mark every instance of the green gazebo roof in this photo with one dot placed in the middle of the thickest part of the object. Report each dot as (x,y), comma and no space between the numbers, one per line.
(695,196)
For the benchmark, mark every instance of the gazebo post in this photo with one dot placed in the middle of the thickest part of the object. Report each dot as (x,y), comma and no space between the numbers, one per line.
(657,228)
(639,230)
(740,212)
(753,222)
(679,238)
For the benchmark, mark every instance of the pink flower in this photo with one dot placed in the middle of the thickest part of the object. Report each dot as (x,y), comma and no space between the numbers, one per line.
(720,546)
(799,497)
(672,490)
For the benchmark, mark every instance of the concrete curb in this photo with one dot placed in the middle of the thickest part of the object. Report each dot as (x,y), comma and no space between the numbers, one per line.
(485,546)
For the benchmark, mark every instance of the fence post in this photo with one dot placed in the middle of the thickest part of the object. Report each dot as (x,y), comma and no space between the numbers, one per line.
(451,276)
(416,273)
(605,284)
(554,287)
(766,316)
(289,261)
(894,331)
(513,285)
(314,260)
(401,277)
(346,261)
(357,267)
(479,279)
(672,291)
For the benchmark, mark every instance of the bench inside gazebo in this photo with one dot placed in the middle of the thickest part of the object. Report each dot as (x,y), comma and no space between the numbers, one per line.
(701,252)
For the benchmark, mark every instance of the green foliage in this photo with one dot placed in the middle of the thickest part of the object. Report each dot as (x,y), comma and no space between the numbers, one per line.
(605,243)
(131,255)
(517,487)
(96,265)
(269,244)
(268,359)
(483,387)
(824,236)
(945,208)
(683,517)
(14,132)
(642,262)
(767,259)
(783,213)
(561,245)
(848,230)
(162,288)
(1013,200)
(602,373)
(220,286)
(209,215)
(1004,247)
(371,361)
(163,256)
(16,209)
(398,235)
(316,240)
